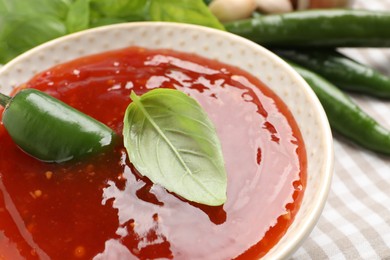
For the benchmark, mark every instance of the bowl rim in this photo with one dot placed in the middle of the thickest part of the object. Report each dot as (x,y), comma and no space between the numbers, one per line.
(328,169)
(315,212)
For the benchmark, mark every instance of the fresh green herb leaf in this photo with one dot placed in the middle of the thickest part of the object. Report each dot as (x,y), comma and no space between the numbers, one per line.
(20,33)
(207,2)
(184,11)
(132,10)
(171,140)
(78,16)
(106,21)
(36,21)
(55,8)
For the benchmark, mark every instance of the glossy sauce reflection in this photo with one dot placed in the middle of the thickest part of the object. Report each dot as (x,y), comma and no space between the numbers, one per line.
(103,208)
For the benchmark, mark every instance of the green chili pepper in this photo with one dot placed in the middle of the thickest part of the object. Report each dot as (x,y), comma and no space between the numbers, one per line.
(325,28)
(341,71)
(345,117)
(50,130)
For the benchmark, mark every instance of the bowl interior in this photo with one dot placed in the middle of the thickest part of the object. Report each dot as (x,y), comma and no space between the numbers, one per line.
(227,48)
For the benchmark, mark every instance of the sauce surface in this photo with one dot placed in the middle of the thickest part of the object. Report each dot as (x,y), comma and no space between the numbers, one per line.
(103,208)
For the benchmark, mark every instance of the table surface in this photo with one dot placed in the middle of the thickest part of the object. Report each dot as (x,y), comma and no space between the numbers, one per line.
(355,223)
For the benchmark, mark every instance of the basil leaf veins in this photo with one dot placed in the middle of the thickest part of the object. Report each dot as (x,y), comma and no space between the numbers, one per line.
(170,139)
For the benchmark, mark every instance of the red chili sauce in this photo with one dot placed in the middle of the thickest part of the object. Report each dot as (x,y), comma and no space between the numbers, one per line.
(102,207)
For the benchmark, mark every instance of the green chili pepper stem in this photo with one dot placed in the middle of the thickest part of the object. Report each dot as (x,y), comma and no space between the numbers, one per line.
(4,100)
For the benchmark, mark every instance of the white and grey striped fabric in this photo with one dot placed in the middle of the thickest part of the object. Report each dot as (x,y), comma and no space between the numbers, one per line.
(355,223)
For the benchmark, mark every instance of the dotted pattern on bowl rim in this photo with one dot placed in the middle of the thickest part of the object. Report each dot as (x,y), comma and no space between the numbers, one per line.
(215,45)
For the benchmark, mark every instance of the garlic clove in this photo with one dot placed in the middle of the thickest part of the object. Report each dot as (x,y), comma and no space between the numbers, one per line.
(231,10)
(274,6)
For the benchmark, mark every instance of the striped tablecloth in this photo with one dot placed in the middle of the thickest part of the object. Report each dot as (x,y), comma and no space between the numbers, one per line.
(355,223)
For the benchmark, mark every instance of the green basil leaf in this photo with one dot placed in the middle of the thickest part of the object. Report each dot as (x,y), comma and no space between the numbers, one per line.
(106,21)
(5,53)
(20,33)
(49,18)
(184,11)
(78,16)
(132,10)
(55,8)
(171,140)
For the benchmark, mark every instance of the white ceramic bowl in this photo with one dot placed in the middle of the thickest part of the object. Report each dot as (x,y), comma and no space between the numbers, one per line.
(227,48)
